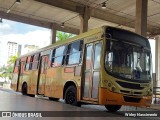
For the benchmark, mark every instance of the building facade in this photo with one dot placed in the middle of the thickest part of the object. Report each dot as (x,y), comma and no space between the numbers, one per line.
(12,48)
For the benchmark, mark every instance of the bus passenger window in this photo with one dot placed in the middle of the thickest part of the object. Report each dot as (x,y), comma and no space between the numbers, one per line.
(75,53)
(58,56)
(31,62)
(35,62)
(27,63)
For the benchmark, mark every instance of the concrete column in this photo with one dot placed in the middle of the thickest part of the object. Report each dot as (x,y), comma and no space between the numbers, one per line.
(141,17)
(53,36)
(84,20)
(157,60)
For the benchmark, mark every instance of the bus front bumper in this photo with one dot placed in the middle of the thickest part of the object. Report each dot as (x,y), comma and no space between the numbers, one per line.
(107,97)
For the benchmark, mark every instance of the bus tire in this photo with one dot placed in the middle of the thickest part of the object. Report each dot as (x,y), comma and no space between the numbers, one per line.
(112,108)
(24,89)
(71,96)
(53,99)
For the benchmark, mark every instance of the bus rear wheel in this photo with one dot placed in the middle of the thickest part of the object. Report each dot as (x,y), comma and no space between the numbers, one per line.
(24,89)
(71,96)
(113,108)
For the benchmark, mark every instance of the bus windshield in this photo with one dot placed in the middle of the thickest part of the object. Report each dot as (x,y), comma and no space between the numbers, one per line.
(128,61)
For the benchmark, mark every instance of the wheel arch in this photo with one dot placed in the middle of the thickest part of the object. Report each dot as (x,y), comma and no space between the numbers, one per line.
(67,84)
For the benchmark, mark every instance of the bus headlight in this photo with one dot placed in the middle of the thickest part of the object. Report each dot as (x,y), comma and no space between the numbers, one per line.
(110,86)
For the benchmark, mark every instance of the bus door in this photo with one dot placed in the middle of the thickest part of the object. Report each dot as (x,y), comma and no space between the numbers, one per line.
(43,72)
(15,75)
(19,72)
(91,71)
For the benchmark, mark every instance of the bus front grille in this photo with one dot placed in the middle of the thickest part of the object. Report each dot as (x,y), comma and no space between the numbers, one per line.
(128,92)
(130,85)
(131,99)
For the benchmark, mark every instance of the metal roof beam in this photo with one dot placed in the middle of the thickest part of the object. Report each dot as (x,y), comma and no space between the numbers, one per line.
(97,13)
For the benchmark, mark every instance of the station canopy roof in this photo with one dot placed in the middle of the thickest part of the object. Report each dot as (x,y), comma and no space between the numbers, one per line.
(47,13)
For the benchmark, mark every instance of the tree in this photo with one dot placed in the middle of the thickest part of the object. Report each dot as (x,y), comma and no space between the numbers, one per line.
(12,59)
(6,71)
(63,36)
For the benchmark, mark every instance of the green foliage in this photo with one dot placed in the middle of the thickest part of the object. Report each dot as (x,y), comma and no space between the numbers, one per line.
(63,36)
(6,71)
(12,59)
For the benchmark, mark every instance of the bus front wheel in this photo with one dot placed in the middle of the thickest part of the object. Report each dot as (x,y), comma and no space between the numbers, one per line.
(113,108)
(71,96)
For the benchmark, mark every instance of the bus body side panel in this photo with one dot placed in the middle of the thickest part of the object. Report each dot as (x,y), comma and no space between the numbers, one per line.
(14,81)
(30,77)
(24,77)
(57,78)
(41,84)
(72,74)
(32,81)
(53,80)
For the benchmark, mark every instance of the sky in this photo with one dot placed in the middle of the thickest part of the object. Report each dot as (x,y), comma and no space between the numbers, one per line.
(22,34)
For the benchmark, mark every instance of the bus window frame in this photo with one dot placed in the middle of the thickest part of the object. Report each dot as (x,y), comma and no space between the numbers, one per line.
(36,59)
(81,46)
(28,62)
(62,55)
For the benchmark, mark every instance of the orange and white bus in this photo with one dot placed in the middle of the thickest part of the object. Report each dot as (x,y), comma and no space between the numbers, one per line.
(106,66)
